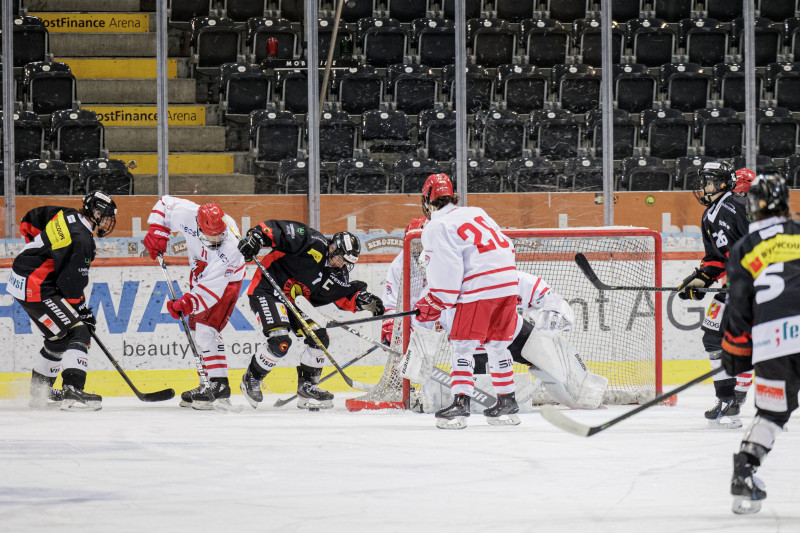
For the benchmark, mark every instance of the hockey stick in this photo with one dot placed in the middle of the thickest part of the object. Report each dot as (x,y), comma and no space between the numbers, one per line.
(308,331)
(559,419)
(338,323)
(438,375)
(198,361)
(281,403)
(158,396)
(584,265)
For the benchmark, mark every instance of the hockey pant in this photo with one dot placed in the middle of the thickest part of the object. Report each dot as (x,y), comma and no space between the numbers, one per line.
(724,384)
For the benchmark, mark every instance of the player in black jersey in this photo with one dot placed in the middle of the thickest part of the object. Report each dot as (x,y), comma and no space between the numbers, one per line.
(48,278)
(302,261)
(724,222)
(761,328)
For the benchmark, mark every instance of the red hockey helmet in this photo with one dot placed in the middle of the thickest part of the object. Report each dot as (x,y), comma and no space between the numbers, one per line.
(744,178)
(436,185)
(211,227)
(416,223)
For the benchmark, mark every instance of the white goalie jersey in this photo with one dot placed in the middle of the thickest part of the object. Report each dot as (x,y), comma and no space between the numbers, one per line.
(212,270)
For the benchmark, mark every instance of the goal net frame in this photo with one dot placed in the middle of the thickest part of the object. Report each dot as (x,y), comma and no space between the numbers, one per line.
(402,398)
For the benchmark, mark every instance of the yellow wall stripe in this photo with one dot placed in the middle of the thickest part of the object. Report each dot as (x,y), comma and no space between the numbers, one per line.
(181,163)
(95,22)
(117,69)
(111,115)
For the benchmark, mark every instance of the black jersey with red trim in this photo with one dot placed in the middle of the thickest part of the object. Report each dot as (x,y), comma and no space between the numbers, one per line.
(724,223)
(59,251)
(762,317)
(299,262)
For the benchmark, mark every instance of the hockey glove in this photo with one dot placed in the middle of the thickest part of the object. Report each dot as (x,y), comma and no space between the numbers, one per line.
(367,301)
(696,280)
(86,315)
(551,322)
(185,305)
(430,308)
(156,240)
(387,327)
(736,364)
(251,244)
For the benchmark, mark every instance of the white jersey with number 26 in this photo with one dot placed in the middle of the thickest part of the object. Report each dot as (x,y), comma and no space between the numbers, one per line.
(467,256)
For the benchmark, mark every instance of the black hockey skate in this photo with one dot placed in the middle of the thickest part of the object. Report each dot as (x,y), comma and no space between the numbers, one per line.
(725,408)
(217,396)
(504,412)
(43,395)
(455,416)
(747,489)
(311,396)
(74,395)
(251,388)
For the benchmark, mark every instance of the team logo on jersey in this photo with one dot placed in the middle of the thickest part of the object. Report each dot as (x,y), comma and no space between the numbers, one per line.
(315,254)
(47,322)
(779,249)
(771,394)
(282,312)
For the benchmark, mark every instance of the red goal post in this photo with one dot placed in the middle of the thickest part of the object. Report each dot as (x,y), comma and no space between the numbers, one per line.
(617,333)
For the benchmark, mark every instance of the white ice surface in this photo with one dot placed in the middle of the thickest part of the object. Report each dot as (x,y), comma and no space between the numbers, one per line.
(156,467)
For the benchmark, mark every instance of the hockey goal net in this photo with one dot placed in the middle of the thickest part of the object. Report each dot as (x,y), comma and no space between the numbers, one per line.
(617,333)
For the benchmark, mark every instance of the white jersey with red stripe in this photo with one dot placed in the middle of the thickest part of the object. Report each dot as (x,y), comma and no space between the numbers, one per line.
(467,256)
(212,270)
(394,278)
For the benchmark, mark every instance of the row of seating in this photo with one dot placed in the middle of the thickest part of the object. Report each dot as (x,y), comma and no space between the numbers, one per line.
(71,136)
(503,134)
(56,177)
(523,174)
(513,10)
(492,42)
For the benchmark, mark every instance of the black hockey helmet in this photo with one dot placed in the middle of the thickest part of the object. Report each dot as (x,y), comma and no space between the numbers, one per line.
(768,196)
(101,211)
(720,174)
(348,246)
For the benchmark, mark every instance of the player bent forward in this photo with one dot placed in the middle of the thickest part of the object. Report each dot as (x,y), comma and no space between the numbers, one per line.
(763,312)
(48,278)
(470,267)
(301,261)
(217,270)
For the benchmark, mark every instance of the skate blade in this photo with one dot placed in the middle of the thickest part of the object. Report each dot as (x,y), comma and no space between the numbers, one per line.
(306,403)
(503,420)
(253,403)
(745,506)
(45,405)
(459,422)
(224,405)
(75,405)
(184,403)
(720,423)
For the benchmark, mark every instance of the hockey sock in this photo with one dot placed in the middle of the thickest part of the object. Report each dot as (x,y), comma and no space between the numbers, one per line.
(211,347)
(48,363)
(76,364)
(501,367)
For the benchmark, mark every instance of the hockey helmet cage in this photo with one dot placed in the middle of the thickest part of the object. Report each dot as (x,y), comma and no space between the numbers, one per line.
(744,178)
(718,173)
(348,246)
(210,225)
(435,186)
(415,223)
(768,196)
(101,211)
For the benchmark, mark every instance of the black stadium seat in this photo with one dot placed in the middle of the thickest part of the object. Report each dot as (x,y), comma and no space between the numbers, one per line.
(589,42)
(729,83)
(383,41)
(243,88)
(688,85)
(337,136)
(413,87)
(776,132)
(502,134)
(28,136)
(241,10)
(361,176)
(31,40)
(706,40)
(185,10)
(720,131)
(686,169)
(545,42)
(672,10)
(624,133)
(522,87)
(555,133)
(387,131)
(48,86)
(76,135)
(493,41)
(274,135)
(407,10)
(360,88)
(635,88)
(583,174)
(483,175)
(531,174)
(437,129)
(109,175)
(214,41)
(293,177)
(435,40)
(410,173)
(577,87)
(645,174)
(652,41)
(43,177)
(480,86)
(272,38)
(668,134)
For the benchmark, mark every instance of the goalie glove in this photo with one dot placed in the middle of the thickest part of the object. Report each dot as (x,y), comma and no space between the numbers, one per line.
(553,315)
(696,280)
(430,308)
(366,301)
(251,244)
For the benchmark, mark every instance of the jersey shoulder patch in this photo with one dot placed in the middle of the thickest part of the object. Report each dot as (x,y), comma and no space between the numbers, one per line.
(57,232)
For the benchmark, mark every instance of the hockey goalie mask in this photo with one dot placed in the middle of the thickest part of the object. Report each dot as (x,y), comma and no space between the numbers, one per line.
(347,246)
(436,185)
(211,226)
(768,197)
(719,175)
(101,211)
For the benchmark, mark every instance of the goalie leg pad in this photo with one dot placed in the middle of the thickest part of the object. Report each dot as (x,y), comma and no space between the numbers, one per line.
(423,348)
(563,372)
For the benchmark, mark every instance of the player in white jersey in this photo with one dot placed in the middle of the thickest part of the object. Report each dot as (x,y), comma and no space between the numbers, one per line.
(214,283)
(470,267)
(394,277)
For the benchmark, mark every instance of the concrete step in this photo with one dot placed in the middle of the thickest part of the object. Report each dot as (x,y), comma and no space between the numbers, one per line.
(181,139)
(139,68)
(184,163)
(186,184)
(146,115)
(57,23)
(117,6)
(102,91)
(108,44)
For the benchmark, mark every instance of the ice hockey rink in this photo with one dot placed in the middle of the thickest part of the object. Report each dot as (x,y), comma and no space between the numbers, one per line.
(156,467)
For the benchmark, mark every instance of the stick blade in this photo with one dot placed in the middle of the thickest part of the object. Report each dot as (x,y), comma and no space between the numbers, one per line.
(557,417)
(281,403)
(158,396)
